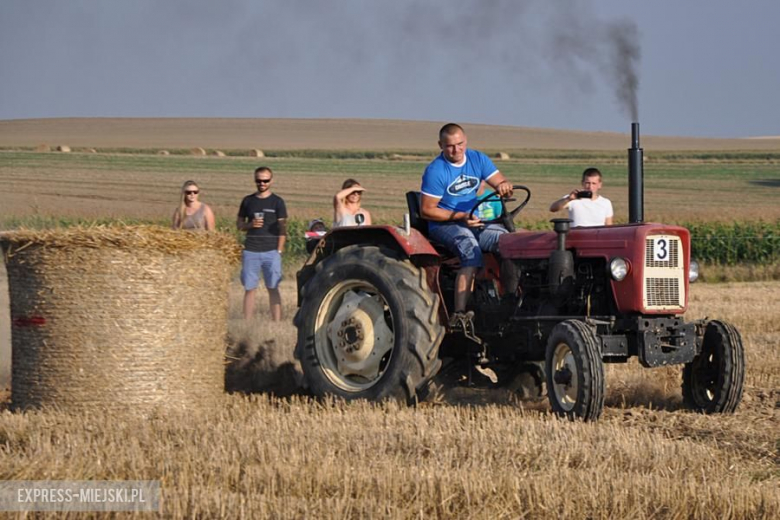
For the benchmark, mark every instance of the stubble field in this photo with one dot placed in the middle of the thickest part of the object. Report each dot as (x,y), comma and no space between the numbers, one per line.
(269,451)
(144,186)
(464,453)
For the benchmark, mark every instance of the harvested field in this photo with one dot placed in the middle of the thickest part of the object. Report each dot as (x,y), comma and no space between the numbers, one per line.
(686,178)
(497,457)
(146,186)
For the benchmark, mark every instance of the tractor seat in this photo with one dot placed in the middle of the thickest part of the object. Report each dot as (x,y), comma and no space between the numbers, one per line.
(416,220)
(413,199)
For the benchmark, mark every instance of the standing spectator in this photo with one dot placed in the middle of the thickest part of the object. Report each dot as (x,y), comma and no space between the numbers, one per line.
(346,206)
(449,192)
(586,207)
(197,215)
(263,216)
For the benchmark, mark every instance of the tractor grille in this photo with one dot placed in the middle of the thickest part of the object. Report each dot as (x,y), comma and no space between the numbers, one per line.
(664,276)
(663,292)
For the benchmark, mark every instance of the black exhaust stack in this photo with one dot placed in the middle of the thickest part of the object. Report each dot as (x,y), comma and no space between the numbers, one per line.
(560,272)
(636,187)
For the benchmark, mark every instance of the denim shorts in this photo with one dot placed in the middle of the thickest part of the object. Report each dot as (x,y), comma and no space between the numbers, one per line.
(468,243)
(252,263)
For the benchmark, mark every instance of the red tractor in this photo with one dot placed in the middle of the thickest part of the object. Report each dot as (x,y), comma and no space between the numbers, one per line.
(374,304)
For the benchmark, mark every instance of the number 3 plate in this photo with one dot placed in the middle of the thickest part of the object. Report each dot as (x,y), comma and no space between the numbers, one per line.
(661,249)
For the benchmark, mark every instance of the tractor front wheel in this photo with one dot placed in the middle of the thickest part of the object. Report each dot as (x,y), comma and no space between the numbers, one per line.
(368,327)
(713,381)
(574,371)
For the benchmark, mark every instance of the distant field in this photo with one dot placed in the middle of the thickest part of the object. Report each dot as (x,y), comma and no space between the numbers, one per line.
(333,134)
(678,186)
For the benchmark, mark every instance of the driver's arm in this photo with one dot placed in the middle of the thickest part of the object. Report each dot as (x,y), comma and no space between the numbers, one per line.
(430,210)
(499,183)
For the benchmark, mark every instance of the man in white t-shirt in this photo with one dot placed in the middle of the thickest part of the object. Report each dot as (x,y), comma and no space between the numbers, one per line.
(586,207)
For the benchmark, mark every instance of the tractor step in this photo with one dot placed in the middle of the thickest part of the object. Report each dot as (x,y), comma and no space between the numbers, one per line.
(463,322)
(487,372)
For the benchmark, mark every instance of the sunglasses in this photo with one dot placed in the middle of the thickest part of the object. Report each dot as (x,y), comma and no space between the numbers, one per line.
(191,192)
(262,181)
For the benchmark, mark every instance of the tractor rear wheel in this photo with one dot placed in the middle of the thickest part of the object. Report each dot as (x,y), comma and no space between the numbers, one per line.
(713,381)
(575,371)
(368,327)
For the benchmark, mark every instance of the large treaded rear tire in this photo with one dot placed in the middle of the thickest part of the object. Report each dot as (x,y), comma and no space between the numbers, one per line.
(575,371)
(368,327)
(713,382)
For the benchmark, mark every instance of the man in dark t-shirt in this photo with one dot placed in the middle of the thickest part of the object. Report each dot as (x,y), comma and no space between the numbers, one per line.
(263,216)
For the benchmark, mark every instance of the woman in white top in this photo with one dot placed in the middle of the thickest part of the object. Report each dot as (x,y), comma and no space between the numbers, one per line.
(346,206)
(192,213)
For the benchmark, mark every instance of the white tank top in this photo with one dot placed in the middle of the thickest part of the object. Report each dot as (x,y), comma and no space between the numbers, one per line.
(348,219)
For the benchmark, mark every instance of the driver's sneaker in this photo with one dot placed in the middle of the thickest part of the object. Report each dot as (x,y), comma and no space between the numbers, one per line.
(462,320)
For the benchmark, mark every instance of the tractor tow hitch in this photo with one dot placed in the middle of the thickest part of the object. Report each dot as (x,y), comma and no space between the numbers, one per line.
(464,322)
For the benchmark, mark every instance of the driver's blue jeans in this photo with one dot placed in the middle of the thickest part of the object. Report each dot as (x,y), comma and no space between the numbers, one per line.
(468,243)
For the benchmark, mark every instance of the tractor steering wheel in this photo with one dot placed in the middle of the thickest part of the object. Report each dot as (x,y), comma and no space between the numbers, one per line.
(507,218)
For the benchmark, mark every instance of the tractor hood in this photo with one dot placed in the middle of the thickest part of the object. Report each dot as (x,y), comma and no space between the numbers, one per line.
(601,241)
(658,257)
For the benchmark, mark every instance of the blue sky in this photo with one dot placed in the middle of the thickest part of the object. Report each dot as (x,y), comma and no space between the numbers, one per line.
(704,68)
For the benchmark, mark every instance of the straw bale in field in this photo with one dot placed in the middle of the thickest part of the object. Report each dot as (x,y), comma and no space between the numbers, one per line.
(218,153)
(43,148)
(257,153)
(197,151)
(395,157)
(121,317)
(63,148)
(91,150)
(163,152)
(503,156)
(5,334)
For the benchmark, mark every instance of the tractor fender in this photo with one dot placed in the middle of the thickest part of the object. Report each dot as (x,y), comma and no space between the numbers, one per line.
(413,246)
(391,237)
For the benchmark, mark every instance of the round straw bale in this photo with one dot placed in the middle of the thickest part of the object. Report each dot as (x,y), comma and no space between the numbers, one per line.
(395,157)
(257,153)
(43,148)
(502,156)
(63,148)
(120,317)
(197,151)
(218,153)
(163,152)
(91,150)
(5,331)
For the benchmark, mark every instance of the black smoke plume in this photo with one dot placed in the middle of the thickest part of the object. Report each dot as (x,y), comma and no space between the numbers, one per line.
(482,60)
(624,46)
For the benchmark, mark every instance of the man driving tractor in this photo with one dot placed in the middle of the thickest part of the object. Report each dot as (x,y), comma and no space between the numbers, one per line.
(449,193)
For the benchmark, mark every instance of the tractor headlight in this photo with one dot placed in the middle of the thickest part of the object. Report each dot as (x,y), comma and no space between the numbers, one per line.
(618,268)
(693,271)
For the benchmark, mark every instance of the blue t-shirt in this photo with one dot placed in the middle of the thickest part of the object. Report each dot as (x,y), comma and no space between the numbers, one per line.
(456,186)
